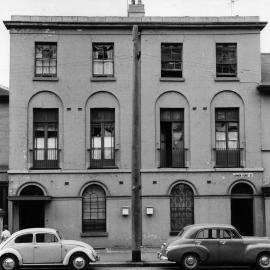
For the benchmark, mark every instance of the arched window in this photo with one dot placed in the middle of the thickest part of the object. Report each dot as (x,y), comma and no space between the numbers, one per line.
(31,190)
(94,209)
(181,206)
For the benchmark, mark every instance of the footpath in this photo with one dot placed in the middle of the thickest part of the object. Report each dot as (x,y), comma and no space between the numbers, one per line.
(123,257)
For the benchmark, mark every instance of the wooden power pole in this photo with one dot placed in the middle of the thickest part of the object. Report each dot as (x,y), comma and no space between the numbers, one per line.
(136,206)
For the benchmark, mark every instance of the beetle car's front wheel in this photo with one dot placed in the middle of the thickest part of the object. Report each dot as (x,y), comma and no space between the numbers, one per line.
(190,261)
(78,261)
(9,262)
(263,261)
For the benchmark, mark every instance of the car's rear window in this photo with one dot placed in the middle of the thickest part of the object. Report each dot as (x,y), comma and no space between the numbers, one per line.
(25,238)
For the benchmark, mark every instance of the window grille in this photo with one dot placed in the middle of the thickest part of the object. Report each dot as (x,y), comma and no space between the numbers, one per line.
(94,209)
(181,206)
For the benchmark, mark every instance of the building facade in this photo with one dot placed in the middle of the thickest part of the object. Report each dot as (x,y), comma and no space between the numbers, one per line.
(70,122)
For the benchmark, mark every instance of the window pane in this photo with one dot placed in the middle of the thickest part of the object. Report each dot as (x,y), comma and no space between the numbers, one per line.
(204,234)
(46,58)
(26,238)
(46,238)
(108,67)
(98,67)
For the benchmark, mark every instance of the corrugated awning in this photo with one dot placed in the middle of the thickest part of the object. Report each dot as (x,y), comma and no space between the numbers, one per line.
(29,198)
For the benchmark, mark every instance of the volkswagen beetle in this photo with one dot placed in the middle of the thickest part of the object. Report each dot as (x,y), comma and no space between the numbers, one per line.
(213,244)
(39,246)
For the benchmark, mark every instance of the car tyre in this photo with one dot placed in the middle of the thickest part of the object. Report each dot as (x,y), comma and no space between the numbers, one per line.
(78,261)
(190,261)
(263,261)
(9,262)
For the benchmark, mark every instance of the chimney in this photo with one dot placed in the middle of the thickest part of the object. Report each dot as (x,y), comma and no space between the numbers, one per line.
(136,10)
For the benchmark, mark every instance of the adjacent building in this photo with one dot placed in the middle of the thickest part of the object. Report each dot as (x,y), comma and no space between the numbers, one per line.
(204,143)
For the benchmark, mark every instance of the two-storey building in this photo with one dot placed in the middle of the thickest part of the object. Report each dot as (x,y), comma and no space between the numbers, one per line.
(71,118)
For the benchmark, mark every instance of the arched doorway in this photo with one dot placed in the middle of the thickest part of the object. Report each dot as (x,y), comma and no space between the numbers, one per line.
(181,206)
(242,208)
(31,208)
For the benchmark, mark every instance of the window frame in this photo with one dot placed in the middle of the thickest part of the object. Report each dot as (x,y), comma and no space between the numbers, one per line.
(49,75)
(46,124)
(23,235)
(228,74)
(104,225)
(173,214)
(228,157)
(171,121)
(103,60)
(101,163)
(175,60)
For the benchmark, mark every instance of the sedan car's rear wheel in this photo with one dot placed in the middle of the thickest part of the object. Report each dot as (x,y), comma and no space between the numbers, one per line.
(78,261)
(263,261)
(190,261)
(9,262)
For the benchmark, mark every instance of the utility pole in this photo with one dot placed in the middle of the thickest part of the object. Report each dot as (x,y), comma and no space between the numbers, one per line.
(136,207)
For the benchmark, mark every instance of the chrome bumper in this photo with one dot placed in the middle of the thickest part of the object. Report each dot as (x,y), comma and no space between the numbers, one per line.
(161,257)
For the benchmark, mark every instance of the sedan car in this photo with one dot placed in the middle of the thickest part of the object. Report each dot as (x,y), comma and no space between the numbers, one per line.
(39,246)
(213,244)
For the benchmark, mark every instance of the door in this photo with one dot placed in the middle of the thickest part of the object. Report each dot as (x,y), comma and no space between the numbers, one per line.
(231,248)
(177,145)
(31,214)
(207,238)
(242,215)
(25,246)
(47,248)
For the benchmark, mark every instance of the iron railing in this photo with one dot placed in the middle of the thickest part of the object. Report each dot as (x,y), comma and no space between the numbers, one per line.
(232,157)
(45,158)
(173,159)
(102,158)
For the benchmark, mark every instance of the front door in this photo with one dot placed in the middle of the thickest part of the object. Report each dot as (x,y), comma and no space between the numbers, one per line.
(31,214)
(231,248)
(242,215)
(47,249)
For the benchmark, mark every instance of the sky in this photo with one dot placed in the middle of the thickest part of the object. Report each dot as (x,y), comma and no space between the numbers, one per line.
(119,8)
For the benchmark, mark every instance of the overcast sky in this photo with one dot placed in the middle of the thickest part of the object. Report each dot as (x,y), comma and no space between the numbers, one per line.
(119,8)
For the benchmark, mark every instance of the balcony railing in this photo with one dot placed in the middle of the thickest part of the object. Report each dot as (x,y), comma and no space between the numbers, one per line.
(45,158)
(229,157)
(173,159)
(102,158)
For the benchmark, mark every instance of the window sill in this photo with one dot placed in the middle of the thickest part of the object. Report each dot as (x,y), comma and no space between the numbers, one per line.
(48,79)
(94,234)
(227,79)
(171,79)
(103,79)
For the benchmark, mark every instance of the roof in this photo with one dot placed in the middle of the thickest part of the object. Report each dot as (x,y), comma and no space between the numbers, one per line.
(210,225)
(24,21)
(33,230)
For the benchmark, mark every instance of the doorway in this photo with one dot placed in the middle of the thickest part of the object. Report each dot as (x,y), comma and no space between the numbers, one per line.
(242,208)
(31,214)
(31,207)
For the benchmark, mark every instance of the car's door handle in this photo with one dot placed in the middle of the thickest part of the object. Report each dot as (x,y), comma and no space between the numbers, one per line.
(197,242)
(35,246)
(222,242)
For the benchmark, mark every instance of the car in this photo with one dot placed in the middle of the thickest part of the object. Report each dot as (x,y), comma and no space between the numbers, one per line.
(215,244)
(44,246)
